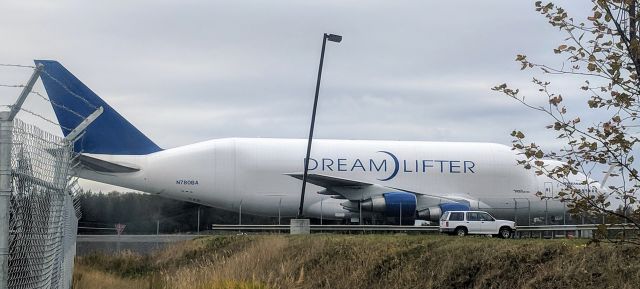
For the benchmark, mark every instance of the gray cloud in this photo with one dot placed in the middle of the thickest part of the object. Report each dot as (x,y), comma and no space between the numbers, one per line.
(186,71)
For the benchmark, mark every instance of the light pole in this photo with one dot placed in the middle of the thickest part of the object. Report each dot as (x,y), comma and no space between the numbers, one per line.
(321,212)
(279,206)
(360,207)
(400,213)
(240,214)
(332,38)
(279,196)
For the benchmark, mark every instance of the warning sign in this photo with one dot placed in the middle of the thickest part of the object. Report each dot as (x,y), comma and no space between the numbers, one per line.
(120,228)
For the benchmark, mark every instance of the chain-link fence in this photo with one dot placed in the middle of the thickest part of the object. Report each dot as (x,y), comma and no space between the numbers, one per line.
(43,214)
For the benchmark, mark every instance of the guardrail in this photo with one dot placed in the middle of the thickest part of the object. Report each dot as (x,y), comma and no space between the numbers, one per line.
(97,228)
(576,227)
(326,228)
(582,230)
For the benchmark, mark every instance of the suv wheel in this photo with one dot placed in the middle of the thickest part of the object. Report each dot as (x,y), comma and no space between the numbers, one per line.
(460,232)
(504,233)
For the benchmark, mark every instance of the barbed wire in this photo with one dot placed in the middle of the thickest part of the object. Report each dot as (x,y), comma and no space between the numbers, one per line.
(12,85)
(74,94)
(16,65)
(57,105)
(69,90)
(38,116)
(47,99)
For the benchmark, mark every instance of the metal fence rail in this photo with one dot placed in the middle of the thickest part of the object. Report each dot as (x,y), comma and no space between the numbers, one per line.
(326,228)
(421,229)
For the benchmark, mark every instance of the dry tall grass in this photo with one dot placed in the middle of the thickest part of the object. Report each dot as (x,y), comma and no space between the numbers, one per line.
(85,277)
(368,261)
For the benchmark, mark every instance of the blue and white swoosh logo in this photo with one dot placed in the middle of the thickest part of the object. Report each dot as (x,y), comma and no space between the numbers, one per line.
(395,168)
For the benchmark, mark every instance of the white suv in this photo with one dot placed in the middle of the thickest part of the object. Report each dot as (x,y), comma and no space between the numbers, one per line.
(462,223)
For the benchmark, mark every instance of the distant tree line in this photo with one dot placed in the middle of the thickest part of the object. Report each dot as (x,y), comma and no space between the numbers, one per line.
(142,212)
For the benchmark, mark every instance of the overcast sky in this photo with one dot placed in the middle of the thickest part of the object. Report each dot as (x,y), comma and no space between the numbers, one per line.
(189,71)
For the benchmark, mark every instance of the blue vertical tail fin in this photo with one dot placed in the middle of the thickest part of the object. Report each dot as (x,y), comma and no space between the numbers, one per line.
(73,101)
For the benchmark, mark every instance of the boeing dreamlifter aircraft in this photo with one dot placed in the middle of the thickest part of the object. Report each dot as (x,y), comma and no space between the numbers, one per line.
(383,179)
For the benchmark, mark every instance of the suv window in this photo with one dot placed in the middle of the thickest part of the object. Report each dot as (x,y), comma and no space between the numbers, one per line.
(456,216)
(485,217)
(473,216)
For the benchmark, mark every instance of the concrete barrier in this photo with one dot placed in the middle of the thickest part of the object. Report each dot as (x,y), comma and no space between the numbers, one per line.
(300,227)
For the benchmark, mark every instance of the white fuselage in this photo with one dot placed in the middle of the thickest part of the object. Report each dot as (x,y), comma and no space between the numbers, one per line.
(251,175)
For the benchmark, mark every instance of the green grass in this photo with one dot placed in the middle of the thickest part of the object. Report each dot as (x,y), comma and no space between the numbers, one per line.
(372,261)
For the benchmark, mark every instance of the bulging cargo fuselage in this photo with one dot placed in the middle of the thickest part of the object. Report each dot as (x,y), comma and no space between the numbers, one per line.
(252,175)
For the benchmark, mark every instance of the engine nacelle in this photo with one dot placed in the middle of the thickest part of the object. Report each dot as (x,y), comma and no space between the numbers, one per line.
(434,213)
(392,204)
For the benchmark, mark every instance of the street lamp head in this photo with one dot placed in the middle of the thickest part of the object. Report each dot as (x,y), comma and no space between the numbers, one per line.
(334,37)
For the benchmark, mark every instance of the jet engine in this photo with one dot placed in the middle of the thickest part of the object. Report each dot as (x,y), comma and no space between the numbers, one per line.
(392,204)
(434,213)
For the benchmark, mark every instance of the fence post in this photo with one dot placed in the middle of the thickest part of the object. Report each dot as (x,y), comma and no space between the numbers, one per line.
(6,130)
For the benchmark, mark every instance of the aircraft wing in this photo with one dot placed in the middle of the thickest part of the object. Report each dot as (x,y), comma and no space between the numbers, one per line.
(384,199)
(353,190)
(328,181)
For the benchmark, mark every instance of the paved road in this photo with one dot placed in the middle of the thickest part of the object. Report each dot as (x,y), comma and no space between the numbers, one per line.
(135,238)
(110,244)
